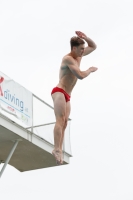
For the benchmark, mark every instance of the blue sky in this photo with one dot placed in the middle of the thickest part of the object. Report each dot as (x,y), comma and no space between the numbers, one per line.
(34,37)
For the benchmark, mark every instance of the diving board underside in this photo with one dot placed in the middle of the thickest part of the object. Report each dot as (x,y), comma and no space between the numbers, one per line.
(31,153)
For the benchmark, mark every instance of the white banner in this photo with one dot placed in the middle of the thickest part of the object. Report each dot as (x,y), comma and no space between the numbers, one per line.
(15,101)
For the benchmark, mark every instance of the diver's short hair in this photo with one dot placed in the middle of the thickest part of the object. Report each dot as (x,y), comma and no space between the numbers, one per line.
(76,41)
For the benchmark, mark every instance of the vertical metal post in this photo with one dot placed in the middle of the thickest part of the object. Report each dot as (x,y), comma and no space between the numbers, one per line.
(32,115)
(9,157)
(64,144)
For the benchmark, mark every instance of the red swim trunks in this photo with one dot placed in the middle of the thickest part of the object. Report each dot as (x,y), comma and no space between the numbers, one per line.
(56,89)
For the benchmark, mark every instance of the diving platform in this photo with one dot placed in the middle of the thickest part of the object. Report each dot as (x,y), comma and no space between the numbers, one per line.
(27,144)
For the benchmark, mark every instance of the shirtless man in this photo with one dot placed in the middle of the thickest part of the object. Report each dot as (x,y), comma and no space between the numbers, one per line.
(69,73)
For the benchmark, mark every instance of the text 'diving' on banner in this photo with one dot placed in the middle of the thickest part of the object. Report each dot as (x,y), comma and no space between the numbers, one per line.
(15,101)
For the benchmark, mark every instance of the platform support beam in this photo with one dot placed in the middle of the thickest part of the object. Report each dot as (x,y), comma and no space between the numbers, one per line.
(9,156)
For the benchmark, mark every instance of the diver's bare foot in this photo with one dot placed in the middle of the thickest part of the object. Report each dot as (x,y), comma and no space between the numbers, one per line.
(57,155)
(61,157)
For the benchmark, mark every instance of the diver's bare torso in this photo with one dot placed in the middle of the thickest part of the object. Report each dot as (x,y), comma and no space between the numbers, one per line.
(67,80)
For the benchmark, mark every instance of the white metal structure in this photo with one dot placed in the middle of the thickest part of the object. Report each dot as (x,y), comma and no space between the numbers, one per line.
(30,148)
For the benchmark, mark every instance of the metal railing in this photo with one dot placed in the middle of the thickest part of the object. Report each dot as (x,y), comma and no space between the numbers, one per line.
(43,121)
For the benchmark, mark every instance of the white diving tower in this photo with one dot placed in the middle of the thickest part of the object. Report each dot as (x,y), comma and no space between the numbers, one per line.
(26,129)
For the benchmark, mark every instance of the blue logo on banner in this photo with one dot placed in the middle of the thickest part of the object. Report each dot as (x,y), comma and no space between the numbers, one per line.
(13,99)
